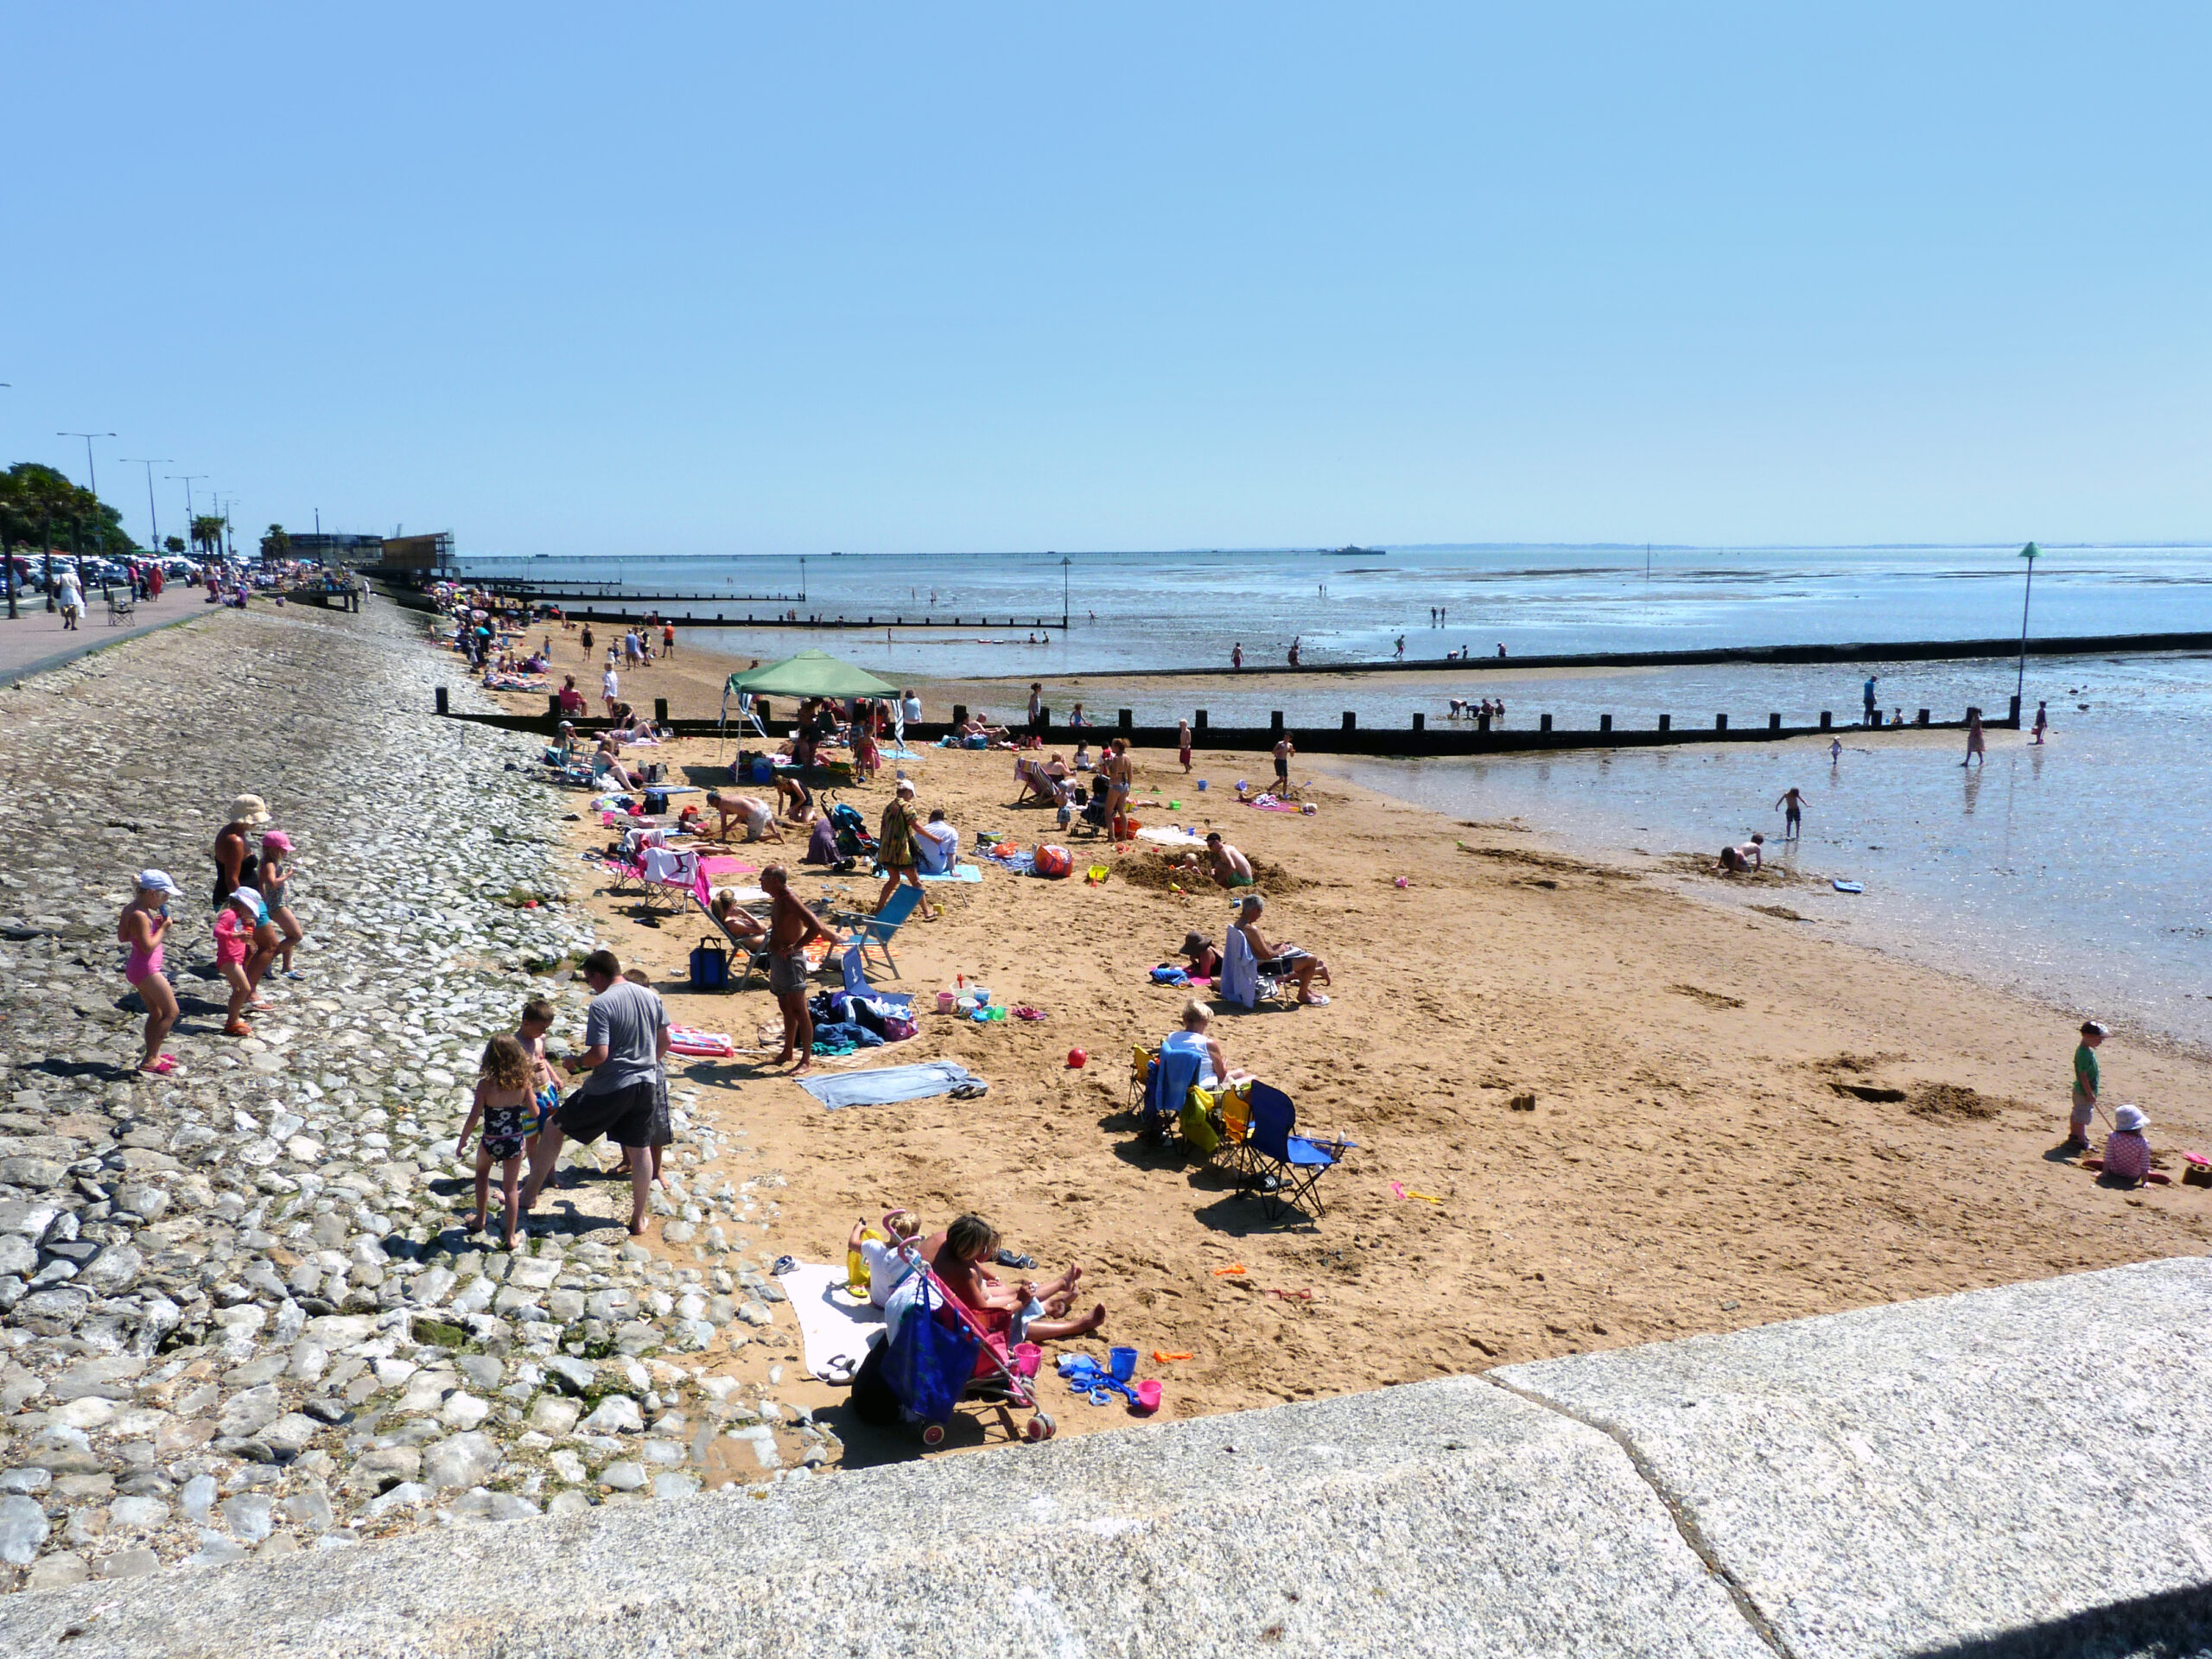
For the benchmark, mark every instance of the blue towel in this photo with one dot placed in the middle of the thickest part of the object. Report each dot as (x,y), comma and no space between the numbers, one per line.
(887,1084)
(962,872)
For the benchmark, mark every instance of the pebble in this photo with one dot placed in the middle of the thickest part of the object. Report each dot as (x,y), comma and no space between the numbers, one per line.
(237,1309)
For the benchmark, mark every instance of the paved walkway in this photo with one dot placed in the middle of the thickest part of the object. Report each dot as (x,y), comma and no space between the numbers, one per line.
(35,641)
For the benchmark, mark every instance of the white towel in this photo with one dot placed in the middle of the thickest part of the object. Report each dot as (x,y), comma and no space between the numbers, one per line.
(830,1322)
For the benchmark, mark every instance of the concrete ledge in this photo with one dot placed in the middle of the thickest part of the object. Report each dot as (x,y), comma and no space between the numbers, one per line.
(2004,1471)
(1445,1518)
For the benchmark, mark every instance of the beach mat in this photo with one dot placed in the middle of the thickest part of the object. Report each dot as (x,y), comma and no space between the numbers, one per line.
(886,1085)
(830,1322)
(1171,837)
(959,873)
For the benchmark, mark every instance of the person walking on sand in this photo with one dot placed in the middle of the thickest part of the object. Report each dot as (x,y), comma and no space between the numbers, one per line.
(1121,775)
(1036,705)
(791,926)
(1284,750)
(235,866)
(1835,750)
(144,920)
(2085,1087)
(2043,720)
(1236,656)
(1401,648)
(1793,811)
(1183,744)
(72,598)
(610,689)
(668,639)
(1977,744)
(625,1034)
(895,842)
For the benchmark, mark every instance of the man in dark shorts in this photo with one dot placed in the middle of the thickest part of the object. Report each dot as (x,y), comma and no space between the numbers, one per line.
(1284,750)
(625,1041)
(791,925)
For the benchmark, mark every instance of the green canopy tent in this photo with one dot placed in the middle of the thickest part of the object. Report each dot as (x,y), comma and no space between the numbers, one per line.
(809,674)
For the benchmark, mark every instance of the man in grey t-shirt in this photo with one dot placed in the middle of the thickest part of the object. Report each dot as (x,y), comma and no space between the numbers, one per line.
(626,1039)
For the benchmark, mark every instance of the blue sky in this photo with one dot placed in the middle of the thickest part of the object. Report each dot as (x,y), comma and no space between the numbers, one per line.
(723,279)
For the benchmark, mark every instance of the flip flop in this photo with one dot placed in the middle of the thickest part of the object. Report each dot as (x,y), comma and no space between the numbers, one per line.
(838,1368)
(161,1066)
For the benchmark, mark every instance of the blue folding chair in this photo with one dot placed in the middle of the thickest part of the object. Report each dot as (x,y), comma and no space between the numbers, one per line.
(1286,1168)
(872,934)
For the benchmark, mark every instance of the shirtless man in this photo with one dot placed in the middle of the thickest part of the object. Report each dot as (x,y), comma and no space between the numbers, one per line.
(1283,961)
(1230,868)
(759,817)
(1121,776)
(1793,812)
(1284,750)
(791,926)
(1740,860)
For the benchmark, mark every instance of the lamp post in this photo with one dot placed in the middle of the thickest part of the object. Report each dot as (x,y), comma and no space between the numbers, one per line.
(153,519)
(92,483)
(8,556)
(187,479)
(2030,553)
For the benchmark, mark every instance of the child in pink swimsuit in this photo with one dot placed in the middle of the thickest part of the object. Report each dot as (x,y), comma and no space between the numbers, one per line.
(142,925)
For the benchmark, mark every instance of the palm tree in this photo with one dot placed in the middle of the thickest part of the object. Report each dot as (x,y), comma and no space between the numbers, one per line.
(276,543)
(207,535)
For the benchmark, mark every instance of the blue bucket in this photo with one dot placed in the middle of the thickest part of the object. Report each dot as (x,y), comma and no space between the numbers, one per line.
(1123,1362)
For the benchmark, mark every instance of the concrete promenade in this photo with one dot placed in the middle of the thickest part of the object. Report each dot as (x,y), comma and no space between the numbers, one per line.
(35,641)
(2020,1472)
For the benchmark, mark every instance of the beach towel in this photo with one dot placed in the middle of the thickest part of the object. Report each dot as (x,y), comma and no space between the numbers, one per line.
(716,869)
(830,1323)
(959,873)
(886,1085)
(1269,803)
(1171,837)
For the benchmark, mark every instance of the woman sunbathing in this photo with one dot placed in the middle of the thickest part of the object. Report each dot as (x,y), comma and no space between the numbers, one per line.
(740,925)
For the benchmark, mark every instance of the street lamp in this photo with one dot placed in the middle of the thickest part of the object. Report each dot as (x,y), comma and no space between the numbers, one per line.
(153,519)
(187,479)
(2030,553)
(92,483)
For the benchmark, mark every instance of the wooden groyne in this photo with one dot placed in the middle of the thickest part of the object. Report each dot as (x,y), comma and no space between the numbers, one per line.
(1416,741)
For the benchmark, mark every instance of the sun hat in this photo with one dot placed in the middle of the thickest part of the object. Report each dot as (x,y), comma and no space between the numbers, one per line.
(2129,1117)
(277,839)
(156,881)
(247,809)
(245,896)
(1194,943)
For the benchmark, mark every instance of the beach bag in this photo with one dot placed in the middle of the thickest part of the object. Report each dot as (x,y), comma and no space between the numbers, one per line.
(1198,1128)
(656,802)
(1166,975)
(929,1363)
(1052,860)
(709,966)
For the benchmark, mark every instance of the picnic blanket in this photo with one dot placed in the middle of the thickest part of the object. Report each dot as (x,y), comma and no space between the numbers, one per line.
(715,868)
(830,1323)
(885,1086)
(961,872)
(1019,862)
(1171,837)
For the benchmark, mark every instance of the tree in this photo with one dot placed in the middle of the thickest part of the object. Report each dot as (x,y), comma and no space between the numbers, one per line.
(207,535)
(173,543)
(37,501)
(275,543)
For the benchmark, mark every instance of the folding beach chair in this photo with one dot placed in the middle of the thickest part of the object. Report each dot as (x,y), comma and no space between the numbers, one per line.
(1037,785)
(855,972)
(1286,1168)
(1168,1083)
(873,934)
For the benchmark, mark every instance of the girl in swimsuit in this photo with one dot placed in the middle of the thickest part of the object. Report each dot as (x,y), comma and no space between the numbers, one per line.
(505,1103)
(142,925)
(275,872)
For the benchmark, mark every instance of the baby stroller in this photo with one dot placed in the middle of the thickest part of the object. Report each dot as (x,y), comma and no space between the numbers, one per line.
(1093,803)
(923,1368)
(854,839)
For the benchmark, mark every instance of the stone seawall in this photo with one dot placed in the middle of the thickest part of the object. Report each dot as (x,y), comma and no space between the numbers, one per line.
(236,1312)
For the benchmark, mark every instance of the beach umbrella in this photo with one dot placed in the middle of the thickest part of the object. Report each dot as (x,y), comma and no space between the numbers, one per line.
(809,674)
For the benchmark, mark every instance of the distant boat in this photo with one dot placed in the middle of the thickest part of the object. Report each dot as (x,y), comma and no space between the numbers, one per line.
(1357,552)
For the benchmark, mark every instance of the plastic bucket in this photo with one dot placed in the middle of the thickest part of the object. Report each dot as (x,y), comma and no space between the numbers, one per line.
(944,1001)
(982,997)
(1028,1356)
(1123,1362)
(1148,1395)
